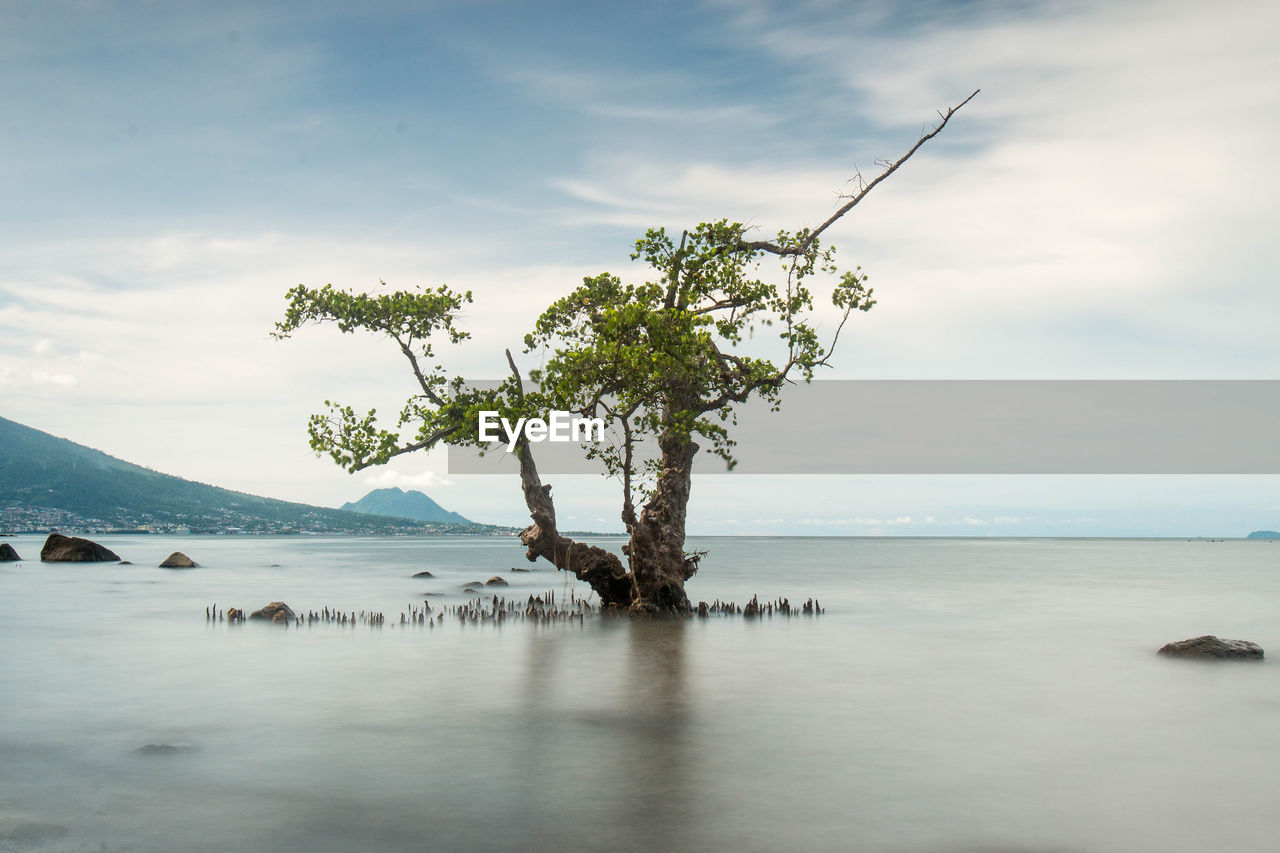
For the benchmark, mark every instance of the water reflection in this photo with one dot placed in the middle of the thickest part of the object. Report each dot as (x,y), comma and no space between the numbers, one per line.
(610,720)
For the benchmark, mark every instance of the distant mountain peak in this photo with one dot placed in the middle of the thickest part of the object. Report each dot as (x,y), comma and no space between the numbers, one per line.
(398,503)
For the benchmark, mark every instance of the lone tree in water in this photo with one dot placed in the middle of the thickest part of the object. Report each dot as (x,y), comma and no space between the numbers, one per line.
(660,360)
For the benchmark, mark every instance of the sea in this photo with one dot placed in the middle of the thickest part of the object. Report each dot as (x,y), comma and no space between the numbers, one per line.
(953,695)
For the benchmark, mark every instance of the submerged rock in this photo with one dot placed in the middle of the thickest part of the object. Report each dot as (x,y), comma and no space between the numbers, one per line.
(276,611)
(472,585)
(26,834)
(496,581)
(235,614)
(162,749)
(7,554)
(178,560)
(1210,646)
(72,549)
(424,575)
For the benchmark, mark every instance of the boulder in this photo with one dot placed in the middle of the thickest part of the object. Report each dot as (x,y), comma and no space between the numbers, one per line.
(72,549)
(235,614)
(496,581)
(272,610)
(178,560)
(424,575)
(472,585)
(1210,646)
(7,554)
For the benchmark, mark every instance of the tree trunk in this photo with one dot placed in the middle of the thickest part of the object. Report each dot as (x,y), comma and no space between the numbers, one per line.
(655,583)
(598,567)
(659,566)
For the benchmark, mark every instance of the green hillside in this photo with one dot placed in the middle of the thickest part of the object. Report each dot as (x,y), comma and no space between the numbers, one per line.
(47,481)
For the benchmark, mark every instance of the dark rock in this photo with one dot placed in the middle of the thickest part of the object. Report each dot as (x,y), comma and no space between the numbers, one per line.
(162,749)
(473,585)
(496,581)
(1210,646)
(272,610)
(424,575)
(7,554)
(235,614)
(124,563)
(516,569)
(178,560)
(72,549)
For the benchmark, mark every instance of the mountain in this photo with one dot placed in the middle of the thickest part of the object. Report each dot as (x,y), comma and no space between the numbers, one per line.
(1264,534)
(402,504)
(48,482)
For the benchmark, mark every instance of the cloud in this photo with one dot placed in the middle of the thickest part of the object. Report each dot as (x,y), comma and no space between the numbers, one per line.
(422,480)
(63,380)
(643,96)
(1096,211)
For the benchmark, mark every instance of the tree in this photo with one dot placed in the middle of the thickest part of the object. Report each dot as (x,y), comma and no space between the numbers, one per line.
(665,359)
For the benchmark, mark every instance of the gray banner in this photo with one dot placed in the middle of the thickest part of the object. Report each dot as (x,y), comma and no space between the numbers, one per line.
(983,427)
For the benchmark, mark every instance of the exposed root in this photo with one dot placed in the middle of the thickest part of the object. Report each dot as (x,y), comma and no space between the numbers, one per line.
(498,609)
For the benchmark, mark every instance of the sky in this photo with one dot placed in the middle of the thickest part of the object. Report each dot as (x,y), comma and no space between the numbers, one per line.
(1102,210)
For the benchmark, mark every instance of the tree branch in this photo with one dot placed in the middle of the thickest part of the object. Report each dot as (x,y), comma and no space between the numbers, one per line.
(674,286)
(803,246)
(429,441)
(417,371)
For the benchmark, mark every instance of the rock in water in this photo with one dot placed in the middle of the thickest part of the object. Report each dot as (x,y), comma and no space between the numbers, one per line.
(272,610)
(178,560)
(496,581)
(7,554)
(72,549)
(1210,646)
(424,575)
(162,749)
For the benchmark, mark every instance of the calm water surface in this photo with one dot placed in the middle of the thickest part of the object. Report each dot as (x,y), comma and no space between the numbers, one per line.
(967,695)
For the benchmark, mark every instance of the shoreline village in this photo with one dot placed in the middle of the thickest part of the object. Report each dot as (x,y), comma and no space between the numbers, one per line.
(557,426)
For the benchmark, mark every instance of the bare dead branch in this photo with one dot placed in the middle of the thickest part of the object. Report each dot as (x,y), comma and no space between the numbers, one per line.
(889,168)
